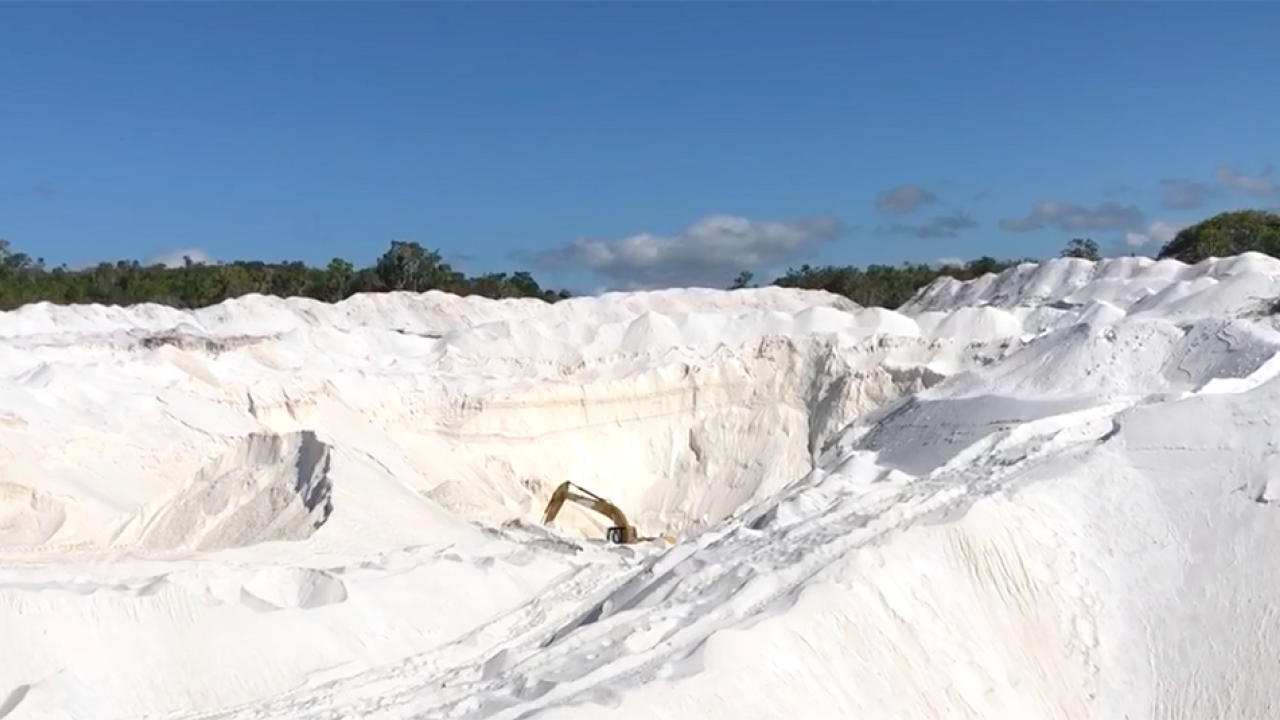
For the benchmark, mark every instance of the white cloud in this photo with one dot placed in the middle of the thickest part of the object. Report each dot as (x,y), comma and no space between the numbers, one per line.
(708,253)
(1106,217)
(942,226)
(175,258)
(904,199)
(1262,185)
(1150,240)
(1182,194)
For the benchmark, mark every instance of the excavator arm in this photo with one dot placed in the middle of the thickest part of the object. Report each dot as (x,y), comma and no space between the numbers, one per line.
(622,531)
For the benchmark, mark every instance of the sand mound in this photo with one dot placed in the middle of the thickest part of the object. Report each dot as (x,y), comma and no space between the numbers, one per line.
(28,516)
(1129,283)
(270,487)
(293,587)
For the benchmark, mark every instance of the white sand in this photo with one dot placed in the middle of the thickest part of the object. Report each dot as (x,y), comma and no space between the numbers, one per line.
(1045,494)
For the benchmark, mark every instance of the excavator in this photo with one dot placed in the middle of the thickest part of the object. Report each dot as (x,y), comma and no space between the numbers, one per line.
(621,533)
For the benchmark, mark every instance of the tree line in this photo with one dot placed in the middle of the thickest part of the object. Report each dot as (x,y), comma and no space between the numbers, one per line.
(404,266)
(409,266)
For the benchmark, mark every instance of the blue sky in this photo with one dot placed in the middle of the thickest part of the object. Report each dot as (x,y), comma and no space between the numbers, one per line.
(626,145)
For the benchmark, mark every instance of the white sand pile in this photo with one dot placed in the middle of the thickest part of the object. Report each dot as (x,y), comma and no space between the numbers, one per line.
(271,487)
(1039,494)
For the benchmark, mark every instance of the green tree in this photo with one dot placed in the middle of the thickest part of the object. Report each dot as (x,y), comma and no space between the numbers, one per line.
(409,266)
(743,280)
(339,278)
(1227,233)
(1084,248)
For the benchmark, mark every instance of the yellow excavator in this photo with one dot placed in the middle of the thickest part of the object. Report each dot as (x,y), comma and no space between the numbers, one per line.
(622,532)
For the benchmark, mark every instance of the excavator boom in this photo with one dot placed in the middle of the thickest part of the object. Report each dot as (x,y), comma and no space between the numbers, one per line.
(622,532)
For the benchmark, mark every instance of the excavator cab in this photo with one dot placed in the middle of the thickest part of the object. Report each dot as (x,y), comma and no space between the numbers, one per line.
(622,532)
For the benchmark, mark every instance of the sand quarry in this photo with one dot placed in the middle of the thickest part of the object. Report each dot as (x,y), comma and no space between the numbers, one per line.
(1049,493)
